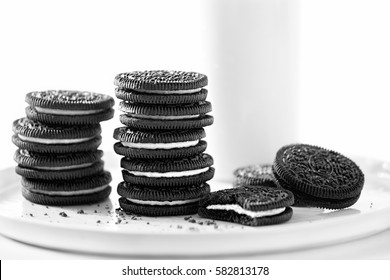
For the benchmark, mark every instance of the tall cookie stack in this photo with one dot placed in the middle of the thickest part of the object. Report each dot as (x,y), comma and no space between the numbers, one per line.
(165,169)
(58,156)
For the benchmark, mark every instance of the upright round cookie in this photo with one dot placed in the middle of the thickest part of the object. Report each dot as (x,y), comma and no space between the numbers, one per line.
(69,107)
(318,177)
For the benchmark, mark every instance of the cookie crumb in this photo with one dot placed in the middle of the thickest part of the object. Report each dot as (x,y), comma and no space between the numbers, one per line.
(179,226)
(31,215)
(98,221)
(63,214)
(81,211)
(45,214)
(187,218)
(192,221)
(95,211)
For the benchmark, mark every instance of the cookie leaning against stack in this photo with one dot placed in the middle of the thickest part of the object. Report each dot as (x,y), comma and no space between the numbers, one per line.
(57,155)
(165,169)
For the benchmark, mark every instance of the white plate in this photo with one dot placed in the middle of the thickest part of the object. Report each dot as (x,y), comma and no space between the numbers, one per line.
(99,230)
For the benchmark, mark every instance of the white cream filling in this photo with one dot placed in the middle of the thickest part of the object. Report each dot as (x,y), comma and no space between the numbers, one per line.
(163,117)
(152,202)
(239,210)
(169,174)
(153,146)
(63,167)
(67,112)
(186,91)
(69,193)
(53,141)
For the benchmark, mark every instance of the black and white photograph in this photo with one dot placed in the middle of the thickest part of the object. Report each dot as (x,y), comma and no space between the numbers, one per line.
(200,130)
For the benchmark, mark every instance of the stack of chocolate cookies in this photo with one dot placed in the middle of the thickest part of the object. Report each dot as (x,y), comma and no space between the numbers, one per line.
(165,169)
(57,155)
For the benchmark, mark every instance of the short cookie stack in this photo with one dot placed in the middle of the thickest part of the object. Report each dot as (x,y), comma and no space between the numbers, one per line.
(58,156)
(165,169)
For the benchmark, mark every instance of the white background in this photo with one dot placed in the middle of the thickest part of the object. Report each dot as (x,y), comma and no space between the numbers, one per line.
(343,62)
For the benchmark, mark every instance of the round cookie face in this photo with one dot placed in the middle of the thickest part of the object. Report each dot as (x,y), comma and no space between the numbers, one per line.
(161,99)
(162,81)
(320,175)
(68,107)
(249,205)
(255,174)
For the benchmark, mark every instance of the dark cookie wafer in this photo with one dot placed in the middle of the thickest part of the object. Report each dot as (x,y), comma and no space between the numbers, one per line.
(44,161)
(167,99)
(38,137)
(86,146)
(33,114)
(161,201)
(318,177)
(160,153)
(159,144)
(67,192)
(168,172)
(165,111)
(255,174)
(161,81)
(154,124)
(69,107)
(66,200)
(60,174)
(232,205)
(169,181)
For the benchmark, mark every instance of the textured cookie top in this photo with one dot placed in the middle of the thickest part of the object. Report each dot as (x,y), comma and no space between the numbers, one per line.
(318,171)
(253,198)
(69,99)
(161,80)
(126,134)
(30,128)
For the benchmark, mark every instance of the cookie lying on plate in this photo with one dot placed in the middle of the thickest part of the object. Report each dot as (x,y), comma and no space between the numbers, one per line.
(161,201)
(69,107)
(318,177)
(249,205)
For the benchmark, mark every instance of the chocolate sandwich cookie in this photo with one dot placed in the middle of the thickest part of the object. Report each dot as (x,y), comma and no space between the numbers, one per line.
(69,107)
(150,144)
(184,116)
(161,99)
(318,177)
(160,201)
(168,172)
(255,174)
(67,192)
(58,166)
(162,81)
(41,138)
(249,205)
